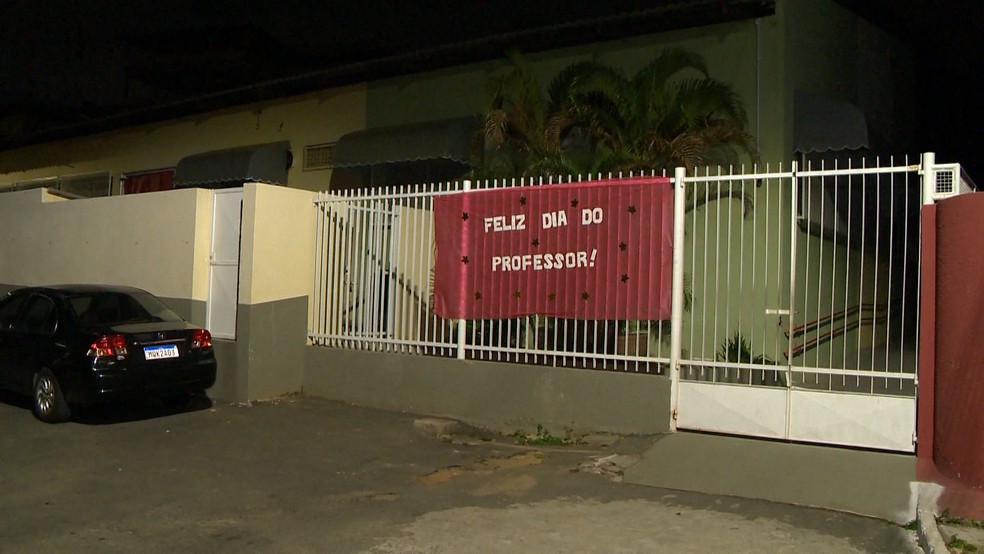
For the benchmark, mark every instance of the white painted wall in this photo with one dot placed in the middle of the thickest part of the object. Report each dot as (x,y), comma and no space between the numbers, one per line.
(148,241)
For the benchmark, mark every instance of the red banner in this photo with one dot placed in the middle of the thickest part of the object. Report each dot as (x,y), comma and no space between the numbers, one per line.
(597,250)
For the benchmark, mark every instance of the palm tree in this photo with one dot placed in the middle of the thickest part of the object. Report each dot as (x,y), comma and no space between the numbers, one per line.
(516,126)
(596,119)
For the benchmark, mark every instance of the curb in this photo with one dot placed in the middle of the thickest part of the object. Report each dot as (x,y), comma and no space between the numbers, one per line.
(930,538)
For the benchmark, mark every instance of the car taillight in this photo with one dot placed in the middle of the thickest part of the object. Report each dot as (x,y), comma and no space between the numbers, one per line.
(108,346)
(201,339)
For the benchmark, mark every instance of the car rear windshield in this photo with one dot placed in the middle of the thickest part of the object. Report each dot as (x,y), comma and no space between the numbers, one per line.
(114,308)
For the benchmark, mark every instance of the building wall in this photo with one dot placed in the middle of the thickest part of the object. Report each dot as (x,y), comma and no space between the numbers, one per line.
(729,49)
(315,118)
(501,396)
(833,52)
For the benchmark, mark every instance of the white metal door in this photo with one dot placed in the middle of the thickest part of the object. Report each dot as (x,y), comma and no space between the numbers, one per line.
(223,281)
(802,324)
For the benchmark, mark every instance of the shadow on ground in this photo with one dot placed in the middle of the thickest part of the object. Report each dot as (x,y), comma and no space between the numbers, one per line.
(119,412)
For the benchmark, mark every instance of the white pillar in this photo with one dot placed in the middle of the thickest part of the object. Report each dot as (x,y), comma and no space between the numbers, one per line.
(928,177)
(676,306)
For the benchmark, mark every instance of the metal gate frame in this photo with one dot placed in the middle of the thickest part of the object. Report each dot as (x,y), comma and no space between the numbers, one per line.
(708,395)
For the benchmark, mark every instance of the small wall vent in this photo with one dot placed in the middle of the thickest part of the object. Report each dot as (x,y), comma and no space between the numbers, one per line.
(319,156)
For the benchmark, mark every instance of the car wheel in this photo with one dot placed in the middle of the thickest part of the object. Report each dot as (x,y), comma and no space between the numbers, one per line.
(49,402)
(185,400)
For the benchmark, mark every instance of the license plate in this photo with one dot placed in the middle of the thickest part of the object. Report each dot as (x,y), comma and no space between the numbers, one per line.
(161,352)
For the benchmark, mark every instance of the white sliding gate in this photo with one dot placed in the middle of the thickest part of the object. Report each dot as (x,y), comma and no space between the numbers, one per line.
(805,302)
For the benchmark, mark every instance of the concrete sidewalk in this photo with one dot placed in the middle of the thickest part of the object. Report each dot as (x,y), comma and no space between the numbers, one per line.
(304,474)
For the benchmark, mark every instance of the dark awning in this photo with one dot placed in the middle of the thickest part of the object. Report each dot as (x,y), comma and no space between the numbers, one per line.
(259,163)
(821,124)
(448,139)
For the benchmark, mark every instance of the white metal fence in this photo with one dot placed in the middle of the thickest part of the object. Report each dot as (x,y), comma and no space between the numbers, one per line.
(796,298)
(373,291)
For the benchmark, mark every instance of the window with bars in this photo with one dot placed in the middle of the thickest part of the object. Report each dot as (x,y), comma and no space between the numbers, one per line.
(319,156)
(87,186)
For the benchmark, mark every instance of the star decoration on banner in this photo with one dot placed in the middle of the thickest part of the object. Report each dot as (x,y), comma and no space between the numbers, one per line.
(464,216)
(585,295)
(464,259)
(552,296)
(517,295)
(625,278)
(522,200)
(535,242)
(632,209)
(478,296)
(622,246)
(574,203)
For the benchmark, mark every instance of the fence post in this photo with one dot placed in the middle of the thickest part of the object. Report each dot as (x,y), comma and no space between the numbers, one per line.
(926,361)
(676,307)
(928,177)
(465,187)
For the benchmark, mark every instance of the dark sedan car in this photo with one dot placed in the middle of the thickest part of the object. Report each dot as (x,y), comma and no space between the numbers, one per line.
(71,345)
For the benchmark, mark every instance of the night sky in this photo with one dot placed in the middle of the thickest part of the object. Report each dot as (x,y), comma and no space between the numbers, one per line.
(69,61)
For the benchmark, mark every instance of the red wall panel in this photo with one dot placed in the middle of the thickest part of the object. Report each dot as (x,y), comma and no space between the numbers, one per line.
(958,442)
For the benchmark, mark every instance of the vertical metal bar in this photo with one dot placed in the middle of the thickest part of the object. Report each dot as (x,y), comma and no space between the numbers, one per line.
(460,354)
(676,306)
(717,267)
(875,274)
(346,279)
(754,261)
(416,288)
(395,297)
(727,275)
(790,304)
(318,300)
(833,271)
(368,285)
(336,240)
(421,320)
(792,295)
(361,263)
(891,273)
(332,307)
(765,257)
(864,239)
(742,300)
(373,274)
(314,323)
(807,202)
(847,274)
(693,267)
(703,292)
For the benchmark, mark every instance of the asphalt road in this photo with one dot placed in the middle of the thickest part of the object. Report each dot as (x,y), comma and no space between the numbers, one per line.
(305,474)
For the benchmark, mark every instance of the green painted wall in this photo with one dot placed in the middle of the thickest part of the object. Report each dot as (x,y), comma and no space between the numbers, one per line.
(731,50)
(503,396)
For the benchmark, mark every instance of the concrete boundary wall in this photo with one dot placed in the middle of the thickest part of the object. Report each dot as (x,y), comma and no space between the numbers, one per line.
(496,395)
(147,241)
